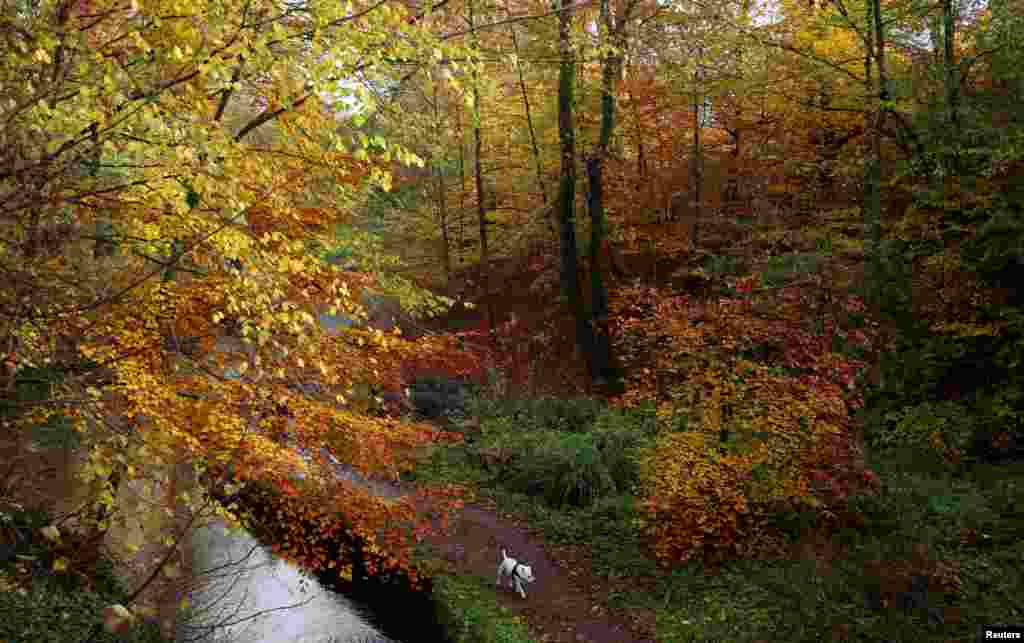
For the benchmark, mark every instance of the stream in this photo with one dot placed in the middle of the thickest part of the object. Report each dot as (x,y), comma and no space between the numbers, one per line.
(251,596)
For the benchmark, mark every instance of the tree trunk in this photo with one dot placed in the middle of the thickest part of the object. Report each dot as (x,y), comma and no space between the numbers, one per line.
(567,182)
(533,134)
(952,94)
(442,215)
(697,167)
(601,358)
(872,167)
(641,157)
(481,208)
(462,187)
(442,205)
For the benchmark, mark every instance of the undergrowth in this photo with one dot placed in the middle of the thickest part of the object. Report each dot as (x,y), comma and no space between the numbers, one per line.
(935,553)
(40,605)
(470,613)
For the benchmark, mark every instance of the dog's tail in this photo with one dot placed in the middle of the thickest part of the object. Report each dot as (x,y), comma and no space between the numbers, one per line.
(503,554)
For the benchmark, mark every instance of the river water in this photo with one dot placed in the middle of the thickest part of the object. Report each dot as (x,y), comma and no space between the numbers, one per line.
(251,596)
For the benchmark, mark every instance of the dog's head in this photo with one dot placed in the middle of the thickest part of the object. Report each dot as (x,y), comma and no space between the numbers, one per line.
(525,573)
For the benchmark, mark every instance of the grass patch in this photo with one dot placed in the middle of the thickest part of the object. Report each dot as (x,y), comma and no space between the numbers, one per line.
(544,414)
(782,269)
(720,265)
(470,613)
(454,464)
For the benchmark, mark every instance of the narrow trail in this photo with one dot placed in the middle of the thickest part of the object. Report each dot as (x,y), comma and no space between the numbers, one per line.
(565,604)
(568,603)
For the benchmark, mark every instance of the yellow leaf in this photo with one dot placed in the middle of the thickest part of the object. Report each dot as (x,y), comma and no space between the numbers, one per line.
(60,565)
(51,533)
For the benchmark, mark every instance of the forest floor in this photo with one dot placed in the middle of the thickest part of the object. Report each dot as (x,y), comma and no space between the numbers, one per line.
(569,602)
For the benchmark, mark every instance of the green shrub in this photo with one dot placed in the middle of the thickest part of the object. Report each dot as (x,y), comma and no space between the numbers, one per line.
(941,429)
(784,268)
(564,469)
(721,266)
(579,474)
(619,435)
(572,416)
(570,453)
(619,509)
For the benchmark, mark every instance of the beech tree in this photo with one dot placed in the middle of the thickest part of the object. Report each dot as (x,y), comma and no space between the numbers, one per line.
(167,175)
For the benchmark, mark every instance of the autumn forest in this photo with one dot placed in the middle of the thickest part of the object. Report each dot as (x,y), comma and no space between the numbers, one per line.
(719,298)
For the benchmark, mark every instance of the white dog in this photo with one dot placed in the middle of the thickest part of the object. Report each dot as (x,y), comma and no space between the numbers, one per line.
(517,573)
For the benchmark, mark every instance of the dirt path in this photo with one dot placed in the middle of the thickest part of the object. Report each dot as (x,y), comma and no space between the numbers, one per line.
(567,603)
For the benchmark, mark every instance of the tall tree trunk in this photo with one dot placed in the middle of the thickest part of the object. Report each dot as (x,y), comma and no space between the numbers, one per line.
(883,74)
(442,204)
(874,116)
(462,187)
(641,157)
(872,172)
(567,182)
(601,360)
(481,208)
(442,215)
(697,167)
(533,134)
(952,94)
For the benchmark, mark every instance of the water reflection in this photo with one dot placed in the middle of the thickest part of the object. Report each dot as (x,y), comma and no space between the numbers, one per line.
(251,596)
